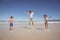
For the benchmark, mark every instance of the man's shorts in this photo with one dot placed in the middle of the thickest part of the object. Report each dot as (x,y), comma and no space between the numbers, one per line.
(11,24)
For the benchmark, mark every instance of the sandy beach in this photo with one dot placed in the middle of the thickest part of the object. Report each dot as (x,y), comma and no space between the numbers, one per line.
(22,31)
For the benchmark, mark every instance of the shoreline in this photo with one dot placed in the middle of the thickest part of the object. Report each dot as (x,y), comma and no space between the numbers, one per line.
(34,22)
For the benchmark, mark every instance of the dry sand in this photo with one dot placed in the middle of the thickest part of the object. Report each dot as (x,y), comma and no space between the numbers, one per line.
(22,31)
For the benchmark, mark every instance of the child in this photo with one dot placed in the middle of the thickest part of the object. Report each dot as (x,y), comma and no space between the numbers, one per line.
(11,20)
(46,21)
(30,13)
(31,17)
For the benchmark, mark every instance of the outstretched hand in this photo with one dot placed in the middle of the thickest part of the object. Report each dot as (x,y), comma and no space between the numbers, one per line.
(25,12)
(49,16)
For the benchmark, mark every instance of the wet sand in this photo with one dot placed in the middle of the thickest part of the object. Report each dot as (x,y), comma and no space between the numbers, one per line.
(22,31)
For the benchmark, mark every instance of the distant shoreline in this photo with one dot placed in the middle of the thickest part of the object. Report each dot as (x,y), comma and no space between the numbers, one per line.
(34,22)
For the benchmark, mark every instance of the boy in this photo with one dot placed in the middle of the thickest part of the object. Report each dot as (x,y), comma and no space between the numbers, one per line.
(11,20)
(30,13)
(31,17)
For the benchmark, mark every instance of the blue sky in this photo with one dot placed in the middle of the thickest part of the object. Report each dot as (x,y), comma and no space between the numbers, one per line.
(17,8)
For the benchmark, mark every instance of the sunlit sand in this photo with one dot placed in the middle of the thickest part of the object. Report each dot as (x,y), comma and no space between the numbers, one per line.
(22,31)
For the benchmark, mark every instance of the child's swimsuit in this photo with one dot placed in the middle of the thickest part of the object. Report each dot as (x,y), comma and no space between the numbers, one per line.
(11,24)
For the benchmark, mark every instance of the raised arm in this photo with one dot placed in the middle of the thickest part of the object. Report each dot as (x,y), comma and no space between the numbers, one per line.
(34,12)
(26,12)
(49,17)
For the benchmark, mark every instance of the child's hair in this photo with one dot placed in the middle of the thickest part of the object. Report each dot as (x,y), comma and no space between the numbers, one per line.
(30,11)
(11,17)
(45,16)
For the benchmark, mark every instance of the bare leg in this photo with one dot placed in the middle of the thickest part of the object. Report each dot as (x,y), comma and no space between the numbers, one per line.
(29,22)
(32,23)
(46,25)
(10,28)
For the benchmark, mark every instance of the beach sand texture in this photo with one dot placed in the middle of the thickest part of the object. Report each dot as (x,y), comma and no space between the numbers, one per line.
(23,31)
